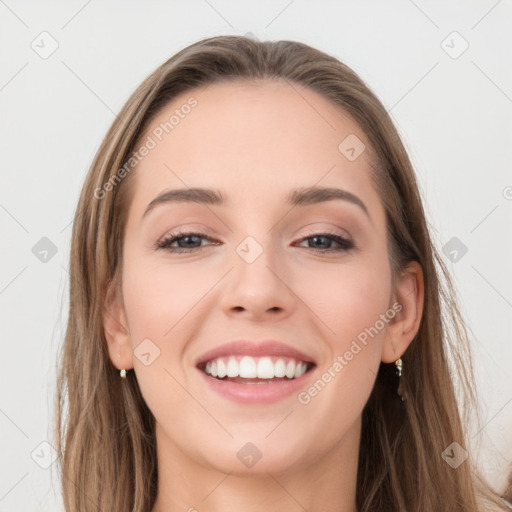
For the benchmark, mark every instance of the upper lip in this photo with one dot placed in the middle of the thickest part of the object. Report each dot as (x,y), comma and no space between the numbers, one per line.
(255,349)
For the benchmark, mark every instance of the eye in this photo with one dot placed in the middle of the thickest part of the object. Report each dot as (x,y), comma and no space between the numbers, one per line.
(323,242)
(187,241)
(190,241)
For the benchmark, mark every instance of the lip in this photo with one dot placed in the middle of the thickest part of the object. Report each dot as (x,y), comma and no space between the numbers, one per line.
(257,393)
(264,393)
(254,349)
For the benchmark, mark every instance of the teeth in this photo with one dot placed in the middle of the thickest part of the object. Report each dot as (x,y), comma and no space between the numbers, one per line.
(290,369)
(265,368)
(232,367)
(298,370)
(249,367)
(221,369)
(279,368)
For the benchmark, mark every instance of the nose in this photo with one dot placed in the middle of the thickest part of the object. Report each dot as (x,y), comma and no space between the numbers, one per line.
(258,290)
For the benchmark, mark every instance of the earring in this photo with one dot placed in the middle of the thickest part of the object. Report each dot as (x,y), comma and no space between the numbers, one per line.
(398,371)
(399,364)
(123,373)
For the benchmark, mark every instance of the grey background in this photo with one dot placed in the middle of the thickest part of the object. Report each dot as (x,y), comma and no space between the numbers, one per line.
(453,110)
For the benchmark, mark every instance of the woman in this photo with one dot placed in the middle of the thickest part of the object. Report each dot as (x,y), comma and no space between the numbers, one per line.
(257,319)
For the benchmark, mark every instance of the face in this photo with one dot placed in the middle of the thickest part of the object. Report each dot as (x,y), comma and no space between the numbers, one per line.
(313,275)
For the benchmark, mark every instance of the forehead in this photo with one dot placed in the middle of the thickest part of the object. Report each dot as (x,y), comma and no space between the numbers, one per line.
(254,140)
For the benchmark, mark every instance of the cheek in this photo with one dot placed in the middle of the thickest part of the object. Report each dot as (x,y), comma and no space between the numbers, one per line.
(160,302)
(348,298)
(157,297)
(353,309)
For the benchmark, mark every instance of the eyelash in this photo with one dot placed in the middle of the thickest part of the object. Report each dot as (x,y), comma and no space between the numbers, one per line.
(165,243)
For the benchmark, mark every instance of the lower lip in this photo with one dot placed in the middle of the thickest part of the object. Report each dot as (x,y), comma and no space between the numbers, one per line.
(256,393)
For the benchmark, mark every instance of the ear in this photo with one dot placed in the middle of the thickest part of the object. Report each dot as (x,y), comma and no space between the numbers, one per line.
(116,328)
(407,301)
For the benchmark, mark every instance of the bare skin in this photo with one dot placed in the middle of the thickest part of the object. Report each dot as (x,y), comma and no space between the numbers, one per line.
(255,143)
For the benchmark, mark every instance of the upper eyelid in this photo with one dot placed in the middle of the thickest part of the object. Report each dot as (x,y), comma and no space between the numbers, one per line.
(188,232)
(328,231)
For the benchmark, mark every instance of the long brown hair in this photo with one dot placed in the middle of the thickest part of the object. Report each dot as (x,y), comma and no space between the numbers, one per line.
(105,431)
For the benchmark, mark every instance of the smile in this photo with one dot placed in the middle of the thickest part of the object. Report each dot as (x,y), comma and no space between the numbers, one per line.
(256,380)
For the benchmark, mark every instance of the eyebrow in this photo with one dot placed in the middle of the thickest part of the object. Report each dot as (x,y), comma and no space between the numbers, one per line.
(298,197)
